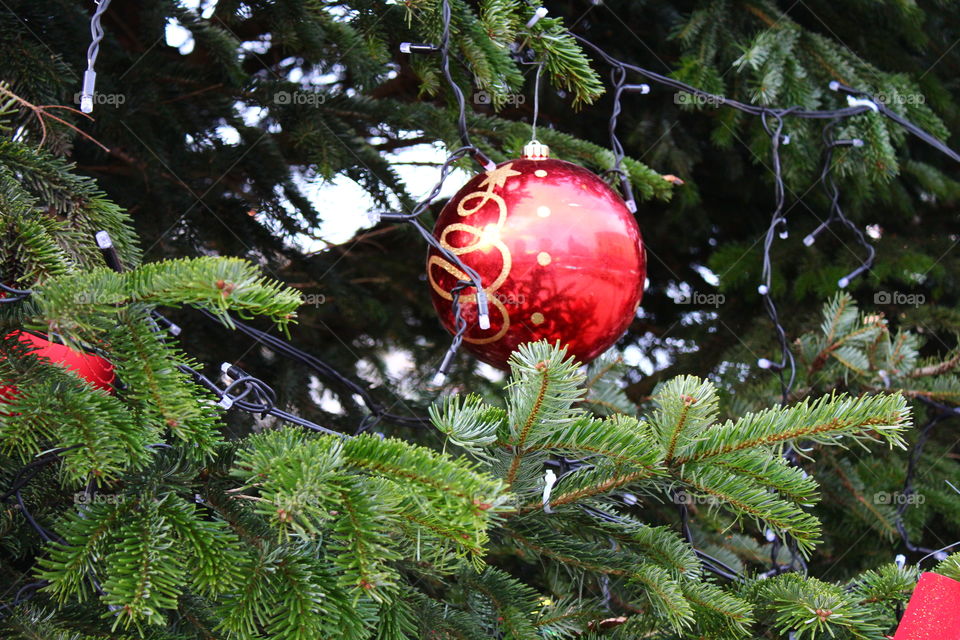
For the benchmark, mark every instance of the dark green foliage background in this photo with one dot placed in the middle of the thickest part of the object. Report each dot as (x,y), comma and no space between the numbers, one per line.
(197,198)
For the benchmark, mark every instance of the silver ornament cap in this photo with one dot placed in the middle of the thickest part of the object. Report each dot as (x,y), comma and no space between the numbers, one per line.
(534,150)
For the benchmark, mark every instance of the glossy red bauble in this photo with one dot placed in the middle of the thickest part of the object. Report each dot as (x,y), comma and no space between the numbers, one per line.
(934,610)
(92,368)
(559,254)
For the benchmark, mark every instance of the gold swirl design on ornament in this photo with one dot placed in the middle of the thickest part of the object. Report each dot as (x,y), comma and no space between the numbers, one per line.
(486,238)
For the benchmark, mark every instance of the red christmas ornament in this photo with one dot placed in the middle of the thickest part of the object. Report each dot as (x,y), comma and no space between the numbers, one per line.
(558,252)
(93,369)
(933,612)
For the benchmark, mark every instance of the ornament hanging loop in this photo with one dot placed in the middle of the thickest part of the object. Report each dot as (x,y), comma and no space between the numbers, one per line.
(536,101)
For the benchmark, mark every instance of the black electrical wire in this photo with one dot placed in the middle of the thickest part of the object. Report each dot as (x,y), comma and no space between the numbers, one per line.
(718,567)
(618,76)
(262,401)
(25,593)
(943,412)
(908,488)
(900,120)
(28,471)
(445,169)
(466,148)
(822,114)
(460,328)
(445,68)
(708,562)
(777,221)
(24,475)
(836,212)
(320,367)
(13,295)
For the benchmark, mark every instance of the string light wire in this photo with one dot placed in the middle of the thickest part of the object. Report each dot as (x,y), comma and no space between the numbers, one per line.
(618,76)
(836,212)
(90,76)
(786,367)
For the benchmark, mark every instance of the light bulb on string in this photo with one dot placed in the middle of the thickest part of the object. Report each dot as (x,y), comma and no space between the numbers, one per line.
(417,47)
(541,12)
(88,90)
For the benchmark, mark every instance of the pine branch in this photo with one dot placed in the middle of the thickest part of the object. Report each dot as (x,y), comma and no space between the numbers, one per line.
(605,395)
(810,607)
(140,579)
(73,301)
(512,601)
(755,502)
(717,611)
(538,410)
(87,536)
(53,408)
(468,422)
(588,482)
(685,407)
(622,440)
(772,472)
(950,567)
(213,558)
(825,421)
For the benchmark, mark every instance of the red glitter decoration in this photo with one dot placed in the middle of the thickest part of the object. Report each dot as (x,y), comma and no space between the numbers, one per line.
(933,612)
(559,254)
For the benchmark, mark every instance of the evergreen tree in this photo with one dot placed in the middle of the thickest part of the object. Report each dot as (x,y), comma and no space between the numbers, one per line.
(681,498)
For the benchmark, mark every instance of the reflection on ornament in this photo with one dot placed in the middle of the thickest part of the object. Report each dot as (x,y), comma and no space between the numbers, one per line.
(559,254)
(488,237)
